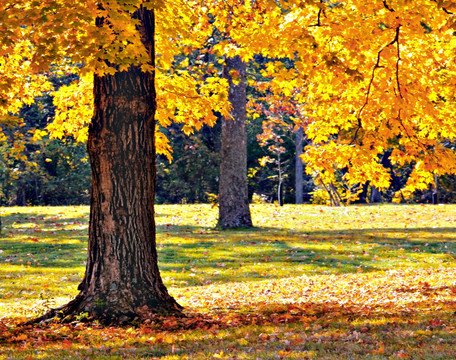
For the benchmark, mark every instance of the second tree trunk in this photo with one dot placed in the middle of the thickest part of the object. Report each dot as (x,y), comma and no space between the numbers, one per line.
(233,195)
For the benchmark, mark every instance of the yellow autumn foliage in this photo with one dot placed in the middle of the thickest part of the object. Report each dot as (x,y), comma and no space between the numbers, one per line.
(365,77)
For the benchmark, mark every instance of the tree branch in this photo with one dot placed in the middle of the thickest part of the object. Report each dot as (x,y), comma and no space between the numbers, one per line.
(385,4)
(397,62)
(320,12)
(402,124)
(318,24)
(377,66)
(443,8)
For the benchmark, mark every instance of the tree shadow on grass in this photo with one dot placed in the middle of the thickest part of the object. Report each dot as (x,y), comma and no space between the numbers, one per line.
(43,255)
(184,247)
(196,255)
(264,253)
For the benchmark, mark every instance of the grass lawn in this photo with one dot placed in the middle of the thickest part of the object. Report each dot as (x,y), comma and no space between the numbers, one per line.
(308,282)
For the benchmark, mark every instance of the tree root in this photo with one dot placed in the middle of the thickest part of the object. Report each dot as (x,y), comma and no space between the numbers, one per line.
(76,310)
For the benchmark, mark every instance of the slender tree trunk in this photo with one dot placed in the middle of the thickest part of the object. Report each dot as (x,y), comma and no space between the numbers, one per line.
(299,167)
(233,195)
(122,280)
(435,192)
(280,179)
(279,193)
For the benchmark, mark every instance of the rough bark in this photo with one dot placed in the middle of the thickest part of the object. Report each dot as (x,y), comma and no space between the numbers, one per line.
(233,197)
(122,280)
(299,167)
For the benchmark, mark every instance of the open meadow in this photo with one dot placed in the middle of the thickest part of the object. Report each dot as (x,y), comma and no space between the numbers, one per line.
(308,282)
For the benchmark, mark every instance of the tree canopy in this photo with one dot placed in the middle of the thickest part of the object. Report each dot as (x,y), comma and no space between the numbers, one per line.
(366,77)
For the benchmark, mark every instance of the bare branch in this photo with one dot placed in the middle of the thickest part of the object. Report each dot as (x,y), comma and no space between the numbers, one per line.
(320,12)
(397,62)
(377,65)
(385,4)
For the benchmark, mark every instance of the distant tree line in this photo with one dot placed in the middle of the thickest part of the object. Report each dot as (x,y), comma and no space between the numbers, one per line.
(56,172)
(43,171)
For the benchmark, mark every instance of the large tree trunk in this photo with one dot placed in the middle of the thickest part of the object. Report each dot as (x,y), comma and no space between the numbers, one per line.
(233,195)
(122,279)
(299,166)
